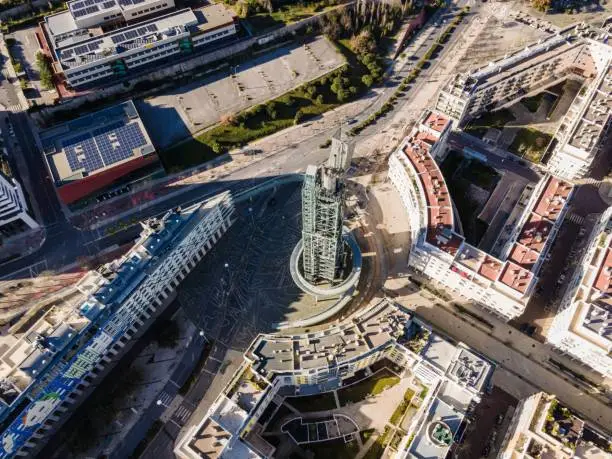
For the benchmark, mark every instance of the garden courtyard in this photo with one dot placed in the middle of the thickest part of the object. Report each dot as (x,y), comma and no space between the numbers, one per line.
(526,127)
(380,401)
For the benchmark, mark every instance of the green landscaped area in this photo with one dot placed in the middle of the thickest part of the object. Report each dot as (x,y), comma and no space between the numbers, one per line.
(378,447)
(334,449)
(319,402)
(530,143)
(373,385)
(398,414)
(533,103)
(498,119)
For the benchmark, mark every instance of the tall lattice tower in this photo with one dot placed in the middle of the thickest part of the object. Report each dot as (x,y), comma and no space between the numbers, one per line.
(322,212)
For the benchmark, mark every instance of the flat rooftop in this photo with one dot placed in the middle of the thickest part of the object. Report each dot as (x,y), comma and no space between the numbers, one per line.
(95,142)
(76,47)
(424,445)
(375,327)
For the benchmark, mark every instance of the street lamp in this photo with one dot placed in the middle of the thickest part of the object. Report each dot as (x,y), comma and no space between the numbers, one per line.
(160,403)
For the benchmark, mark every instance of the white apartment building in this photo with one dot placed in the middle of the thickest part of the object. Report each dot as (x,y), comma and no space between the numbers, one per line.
(119,305)
(578,52)
(532,432)
(14,215)
(88,56)
(311,363)
(582,328)
(501,286)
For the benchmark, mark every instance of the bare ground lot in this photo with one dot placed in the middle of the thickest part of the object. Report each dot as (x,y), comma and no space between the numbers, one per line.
(186,110)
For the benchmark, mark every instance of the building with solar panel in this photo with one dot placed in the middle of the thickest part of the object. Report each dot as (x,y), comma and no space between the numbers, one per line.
(89,49)
(90,153)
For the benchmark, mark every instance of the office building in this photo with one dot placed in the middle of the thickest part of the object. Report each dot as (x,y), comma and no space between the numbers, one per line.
(582,327)
(503,285)
(578,52)
(318,362)
(94,151)
(45,373)
(14,217)
(88,53)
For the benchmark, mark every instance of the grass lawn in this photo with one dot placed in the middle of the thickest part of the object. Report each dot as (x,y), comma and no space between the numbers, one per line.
(334,449)
(530,144)
(397,415)
(498,120)
(373,385)
(319,402)
(366,434)
(533,103)
(378,448)
(286,14)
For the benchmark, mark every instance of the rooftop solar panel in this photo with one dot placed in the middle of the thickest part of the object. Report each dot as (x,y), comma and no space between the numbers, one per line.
(107,5)
(117,38)
(93,46)
(89,2)
(79,13)
(130,34)
(76,6)
(92,9)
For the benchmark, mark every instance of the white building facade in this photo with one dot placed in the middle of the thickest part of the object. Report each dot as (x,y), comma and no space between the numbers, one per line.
(582,328)
(13,208)
(503,285)
(578,52)
(123,305)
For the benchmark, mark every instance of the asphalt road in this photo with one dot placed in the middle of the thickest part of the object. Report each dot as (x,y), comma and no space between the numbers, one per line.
(65,244)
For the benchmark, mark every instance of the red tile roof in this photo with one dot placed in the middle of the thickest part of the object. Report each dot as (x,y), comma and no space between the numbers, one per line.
(535,232)
(523,256)
(436,121)
(490,268)
(515,277)
(553,198)
(439,207)
(603,282)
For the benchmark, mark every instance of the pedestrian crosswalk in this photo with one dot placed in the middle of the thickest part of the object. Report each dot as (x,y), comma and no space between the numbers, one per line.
(578,219)
(165,398)
(182,414)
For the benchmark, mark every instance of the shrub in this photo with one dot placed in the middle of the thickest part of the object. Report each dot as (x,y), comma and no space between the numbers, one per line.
(367,80)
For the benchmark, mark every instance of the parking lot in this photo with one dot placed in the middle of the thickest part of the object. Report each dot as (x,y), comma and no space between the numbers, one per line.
(24,50)
(177,113)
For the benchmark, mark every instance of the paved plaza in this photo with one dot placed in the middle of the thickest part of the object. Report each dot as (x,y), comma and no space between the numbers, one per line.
(243,287)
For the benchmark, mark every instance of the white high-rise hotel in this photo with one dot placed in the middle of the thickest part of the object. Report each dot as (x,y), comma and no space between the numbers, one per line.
(13,208)
(501,285)
(578,52)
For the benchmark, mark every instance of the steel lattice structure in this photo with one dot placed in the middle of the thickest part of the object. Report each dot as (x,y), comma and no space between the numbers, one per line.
(322,212)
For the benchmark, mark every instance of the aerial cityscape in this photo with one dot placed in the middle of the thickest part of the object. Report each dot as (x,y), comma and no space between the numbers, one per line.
(306,229)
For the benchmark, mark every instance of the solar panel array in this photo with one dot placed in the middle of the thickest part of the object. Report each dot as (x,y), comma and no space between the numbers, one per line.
(135,33)
(130,2)
(103,147)
(85,7)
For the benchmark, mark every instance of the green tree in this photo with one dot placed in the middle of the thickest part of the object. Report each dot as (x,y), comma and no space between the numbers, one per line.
(367,80)
(541,5)
(44,70)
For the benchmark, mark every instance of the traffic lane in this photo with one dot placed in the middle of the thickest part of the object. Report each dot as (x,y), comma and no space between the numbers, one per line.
(42,187)
(161,447)
(513,361)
